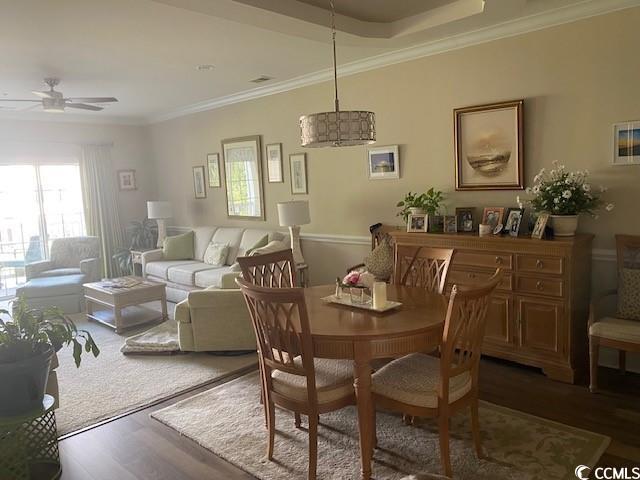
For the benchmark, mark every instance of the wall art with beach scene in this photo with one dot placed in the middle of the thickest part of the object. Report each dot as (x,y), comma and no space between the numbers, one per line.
(626,143)
(383,162)
(489,148)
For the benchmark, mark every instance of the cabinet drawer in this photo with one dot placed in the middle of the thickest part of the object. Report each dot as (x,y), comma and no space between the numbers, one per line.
(476,259)
(540,264)
(469,277)
(541,286)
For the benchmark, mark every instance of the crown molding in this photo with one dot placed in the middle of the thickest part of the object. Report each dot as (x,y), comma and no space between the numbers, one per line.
(519,26)
(71,118)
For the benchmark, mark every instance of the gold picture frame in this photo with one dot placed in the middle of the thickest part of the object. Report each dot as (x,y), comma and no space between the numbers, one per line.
(489,146)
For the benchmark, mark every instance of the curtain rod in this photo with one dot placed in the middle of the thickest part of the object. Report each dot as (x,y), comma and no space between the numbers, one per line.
(78,144)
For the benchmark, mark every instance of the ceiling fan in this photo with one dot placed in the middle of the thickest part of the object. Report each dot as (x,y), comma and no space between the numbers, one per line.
(54,101)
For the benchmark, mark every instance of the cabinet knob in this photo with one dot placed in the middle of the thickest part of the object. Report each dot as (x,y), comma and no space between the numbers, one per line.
(540,286)
(539,263)
(499,260)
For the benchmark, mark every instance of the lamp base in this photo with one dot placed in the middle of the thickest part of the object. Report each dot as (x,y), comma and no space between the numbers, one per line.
(162,232)
(295,244)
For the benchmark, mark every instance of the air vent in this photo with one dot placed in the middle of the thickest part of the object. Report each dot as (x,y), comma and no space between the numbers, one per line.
(261,79)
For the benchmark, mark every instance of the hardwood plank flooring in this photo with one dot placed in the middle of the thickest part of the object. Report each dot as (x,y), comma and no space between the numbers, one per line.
(136,447)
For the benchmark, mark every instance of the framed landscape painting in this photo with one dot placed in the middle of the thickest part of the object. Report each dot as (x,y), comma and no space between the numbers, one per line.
(626,143)
(489,150)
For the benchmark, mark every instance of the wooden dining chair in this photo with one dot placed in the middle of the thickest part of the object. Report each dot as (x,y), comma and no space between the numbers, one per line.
(422,267)
(291,377)
(425,386)
(273,270)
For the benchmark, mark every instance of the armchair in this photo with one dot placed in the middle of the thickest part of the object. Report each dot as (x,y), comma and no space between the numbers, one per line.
(69,256)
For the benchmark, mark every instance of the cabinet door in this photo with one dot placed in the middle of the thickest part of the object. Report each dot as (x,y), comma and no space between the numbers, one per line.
(541,326)
(499,325)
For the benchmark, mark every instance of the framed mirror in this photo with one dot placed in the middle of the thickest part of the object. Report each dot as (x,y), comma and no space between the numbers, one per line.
(243,175)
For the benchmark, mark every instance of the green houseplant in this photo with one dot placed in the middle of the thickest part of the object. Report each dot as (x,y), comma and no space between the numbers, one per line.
(28,340)
(142,235)
(428,202)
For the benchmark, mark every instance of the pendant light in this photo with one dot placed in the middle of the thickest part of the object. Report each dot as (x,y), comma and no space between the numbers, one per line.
(337,128)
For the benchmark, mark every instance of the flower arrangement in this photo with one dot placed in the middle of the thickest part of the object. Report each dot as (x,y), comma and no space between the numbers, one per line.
(560,192)
(429,202)
(358,279)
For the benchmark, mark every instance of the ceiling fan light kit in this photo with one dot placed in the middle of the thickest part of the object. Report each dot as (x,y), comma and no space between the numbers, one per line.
(337,128)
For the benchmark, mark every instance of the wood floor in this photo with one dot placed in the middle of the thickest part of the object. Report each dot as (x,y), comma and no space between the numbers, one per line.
(136,447)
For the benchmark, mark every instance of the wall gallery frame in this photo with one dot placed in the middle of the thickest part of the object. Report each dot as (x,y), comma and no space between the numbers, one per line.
(127,180)
(274,163)
(243,177)
(626,143)
(383,163)
(298,166)
(199,189)
(489,146)
(213,168)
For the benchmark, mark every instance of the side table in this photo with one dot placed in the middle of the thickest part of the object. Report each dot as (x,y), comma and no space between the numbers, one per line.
(136,261)
(29,444)
(302,272)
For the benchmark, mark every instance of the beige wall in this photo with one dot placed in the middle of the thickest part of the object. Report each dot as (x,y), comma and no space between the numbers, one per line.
(130,150)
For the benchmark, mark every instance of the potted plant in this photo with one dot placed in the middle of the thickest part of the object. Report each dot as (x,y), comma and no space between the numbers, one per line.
(142,235)
(564,196)
(414,203)
(28,340)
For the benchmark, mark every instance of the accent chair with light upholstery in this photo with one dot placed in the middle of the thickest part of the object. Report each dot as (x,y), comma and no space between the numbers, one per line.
(69,256)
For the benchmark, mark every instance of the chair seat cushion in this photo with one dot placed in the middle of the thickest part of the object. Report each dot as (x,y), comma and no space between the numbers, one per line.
(52,286)
(161,268)
(57,272)
(334,380)
(185,274)
(414,380)
(616,329)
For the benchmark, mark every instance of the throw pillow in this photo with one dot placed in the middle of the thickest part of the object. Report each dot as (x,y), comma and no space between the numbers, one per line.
(275,246)
(259,244)
(380,261)
(216,254)
(178,247)
(629,294)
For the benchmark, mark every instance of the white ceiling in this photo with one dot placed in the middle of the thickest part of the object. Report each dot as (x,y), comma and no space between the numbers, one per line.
(145,52)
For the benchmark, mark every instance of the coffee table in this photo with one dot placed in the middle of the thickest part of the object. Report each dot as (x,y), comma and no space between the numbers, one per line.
(123,309)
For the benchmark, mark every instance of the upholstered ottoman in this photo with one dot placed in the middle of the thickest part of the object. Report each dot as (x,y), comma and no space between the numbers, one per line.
(64,292)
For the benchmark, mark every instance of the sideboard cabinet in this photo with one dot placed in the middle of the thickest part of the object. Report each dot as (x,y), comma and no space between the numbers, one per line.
(539,312)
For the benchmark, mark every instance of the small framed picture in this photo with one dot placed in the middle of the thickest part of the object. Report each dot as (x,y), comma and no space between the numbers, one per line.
(465,219)
(417,222)
(436,224)
(626,143)
(274,163)
(540,226)
(493,216)
(213,167)
(127,180)
(298,166)
(383,163)
(199,189)
(514,220)
(450,224)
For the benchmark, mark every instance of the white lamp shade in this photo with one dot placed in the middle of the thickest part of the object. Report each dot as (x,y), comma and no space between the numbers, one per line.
(159,210)
(293,213)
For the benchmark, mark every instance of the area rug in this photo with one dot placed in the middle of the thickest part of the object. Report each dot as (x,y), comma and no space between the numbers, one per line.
(228,420)
(162,338)
(113,383)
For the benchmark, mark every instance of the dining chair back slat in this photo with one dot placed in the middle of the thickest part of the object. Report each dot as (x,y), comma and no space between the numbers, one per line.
(273,270)
(423,267)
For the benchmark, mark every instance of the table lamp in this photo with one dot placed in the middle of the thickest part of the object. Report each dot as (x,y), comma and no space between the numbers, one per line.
(159,210)
(293,214)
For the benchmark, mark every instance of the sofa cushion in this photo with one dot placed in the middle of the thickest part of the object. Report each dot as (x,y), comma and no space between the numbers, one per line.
(201,238)
(185,274)
(230,236)
(250,240)
(271,247)
(178,247)
(52,286)
(160,269)
(57,272)
(216,254)
(211,277)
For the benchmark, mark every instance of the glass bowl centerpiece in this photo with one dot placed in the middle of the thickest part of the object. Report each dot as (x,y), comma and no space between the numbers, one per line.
(359,286)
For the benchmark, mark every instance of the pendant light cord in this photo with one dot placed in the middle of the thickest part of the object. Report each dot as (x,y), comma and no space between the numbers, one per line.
(335,64)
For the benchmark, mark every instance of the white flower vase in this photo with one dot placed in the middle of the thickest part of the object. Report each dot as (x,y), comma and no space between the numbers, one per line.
(564,225)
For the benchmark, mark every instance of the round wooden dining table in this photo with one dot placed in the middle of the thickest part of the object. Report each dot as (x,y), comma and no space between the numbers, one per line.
(343,332)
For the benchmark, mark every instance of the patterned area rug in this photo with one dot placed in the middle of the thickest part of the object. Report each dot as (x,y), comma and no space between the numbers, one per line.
(228,420)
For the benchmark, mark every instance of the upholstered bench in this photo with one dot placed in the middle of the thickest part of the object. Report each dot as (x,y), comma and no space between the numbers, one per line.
(64,292)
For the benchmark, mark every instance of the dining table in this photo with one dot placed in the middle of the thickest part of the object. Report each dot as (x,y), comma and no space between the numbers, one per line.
(361,335)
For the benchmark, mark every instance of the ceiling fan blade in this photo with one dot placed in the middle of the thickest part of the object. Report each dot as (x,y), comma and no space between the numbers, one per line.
(83,106)
(42,94)
(92,99)
(15,100)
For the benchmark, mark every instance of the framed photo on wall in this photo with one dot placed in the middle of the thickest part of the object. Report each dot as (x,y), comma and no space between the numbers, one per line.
(274,163)
(127,180)
(383,163)
(298,166)
(626,143)
(199,188)
(489,150)
(213,167)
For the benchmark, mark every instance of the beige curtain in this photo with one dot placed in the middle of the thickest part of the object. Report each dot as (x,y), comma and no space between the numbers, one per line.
(101,212)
